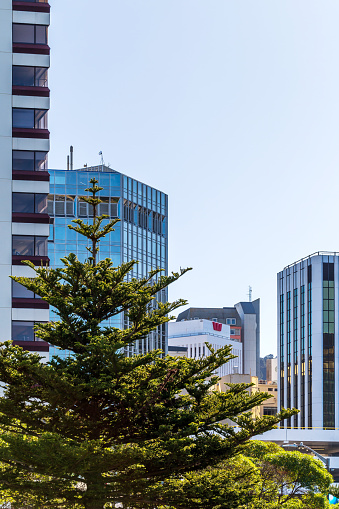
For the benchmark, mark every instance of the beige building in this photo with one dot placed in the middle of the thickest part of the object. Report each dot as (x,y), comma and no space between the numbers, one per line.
(269,407)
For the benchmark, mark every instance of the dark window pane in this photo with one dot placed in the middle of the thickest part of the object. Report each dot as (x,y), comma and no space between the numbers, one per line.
(23,118)
(20,292)
(41,246)
(40,77)
(23,160)
(41,203)
(23,245)
(23,202)
(23,76)
(22,331)
(40,161)
(23,33)
(40,119)
(40,34)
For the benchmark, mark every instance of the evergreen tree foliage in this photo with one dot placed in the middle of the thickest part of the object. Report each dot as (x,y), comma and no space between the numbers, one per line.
(263,476)
(99,428)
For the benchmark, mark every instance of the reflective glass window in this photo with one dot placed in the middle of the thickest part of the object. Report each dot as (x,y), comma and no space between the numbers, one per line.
(23,160)
(23,118)
(40,79)
(29,34)
(23,33)
(28,245)
(41,246)
(40,119)
(23,76)
(23,202)
(40,34)
(40,161)
(28,76)
(22,331)
(40,204)
(20,292)
(23,245)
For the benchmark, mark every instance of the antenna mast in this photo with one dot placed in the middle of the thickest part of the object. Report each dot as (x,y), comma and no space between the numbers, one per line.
(249,294)
(101,160)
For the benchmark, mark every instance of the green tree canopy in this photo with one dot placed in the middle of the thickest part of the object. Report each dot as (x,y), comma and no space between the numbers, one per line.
(99,427)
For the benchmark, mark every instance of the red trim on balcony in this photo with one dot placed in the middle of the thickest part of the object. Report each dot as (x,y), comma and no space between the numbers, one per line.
(18,132)
(25,217)
(29,303)
(33,346)
(37,260)
(30,91)
(35,49)
(31,6)
(30,175)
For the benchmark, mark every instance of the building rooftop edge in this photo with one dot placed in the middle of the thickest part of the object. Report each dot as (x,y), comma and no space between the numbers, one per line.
(317,253)
(105,169)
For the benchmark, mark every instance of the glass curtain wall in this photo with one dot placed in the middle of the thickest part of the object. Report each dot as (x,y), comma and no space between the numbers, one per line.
(140,235)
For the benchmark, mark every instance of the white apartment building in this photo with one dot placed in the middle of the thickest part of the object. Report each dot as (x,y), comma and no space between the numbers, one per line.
(194,334)
(24,179)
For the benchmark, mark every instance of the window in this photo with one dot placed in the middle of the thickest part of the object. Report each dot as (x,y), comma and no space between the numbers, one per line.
(29,245)
(20,292)
(26,118)
(29,34)
(23,331)
(109,206)
(235,332)
(29,203)
(228,321)
(25,76)
(233,321)
(24,160)
(215,320)
(270,410)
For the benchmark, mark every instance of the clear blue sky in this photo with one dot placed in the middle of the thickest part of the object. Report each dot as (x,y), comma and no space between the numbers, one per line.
(230,107)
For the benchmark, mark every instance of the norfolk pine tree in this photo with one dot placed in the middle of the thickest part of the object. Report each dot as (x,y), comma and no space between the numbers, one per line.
(98,427)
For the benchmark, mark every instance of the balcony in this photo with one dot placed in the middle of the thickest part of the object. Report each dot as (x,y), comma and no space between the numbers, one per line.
(31,5)
(31,91)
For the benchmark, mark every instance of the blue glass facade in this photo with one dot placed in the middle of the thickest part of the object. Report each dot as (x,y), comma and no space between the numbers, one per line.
(141,234)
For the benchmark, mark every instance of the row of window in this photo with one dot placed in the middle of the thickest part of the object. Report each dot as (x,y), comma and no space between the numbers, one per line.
(20,292)
(30,34)
(29,118)
(144,217)
(29,203)
(29,160)
(29,245)
(23,331)
(25,76)
(65,205)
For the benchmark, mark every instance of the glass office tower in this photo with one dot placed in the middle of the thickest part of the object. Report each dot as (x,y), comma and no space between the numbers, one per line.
(141,234)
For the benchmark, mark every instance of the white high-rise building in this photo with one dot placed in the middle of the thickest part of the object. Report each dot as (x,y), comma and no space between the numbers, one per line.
(24,145)
(308,324)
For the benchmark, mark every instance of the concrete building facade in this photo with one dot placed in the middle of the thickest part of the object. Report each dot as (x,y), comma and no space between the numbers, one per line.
(24,180)
(244,322)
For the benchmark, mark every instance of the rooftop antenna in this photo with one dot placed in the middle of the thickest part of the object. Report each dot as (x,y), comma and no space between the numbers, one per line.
(71,156)
(101,160)
(67,162)
(249,294)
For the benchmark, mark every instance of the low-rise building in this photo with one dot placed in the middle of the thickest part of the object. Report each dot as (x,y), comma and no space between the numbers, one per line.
(194,334)
(244,322)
